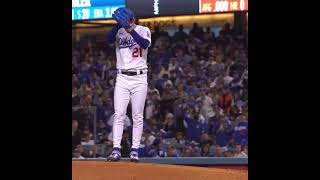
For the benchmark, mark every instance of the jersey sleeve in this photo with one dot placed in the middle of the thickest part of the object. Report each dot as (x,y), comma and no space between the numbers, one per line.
(147,34)
(142,36)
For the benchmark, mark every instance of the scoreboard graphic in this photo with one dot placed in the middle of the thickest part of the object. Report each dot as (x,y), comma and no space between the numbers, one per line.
(94,9)
(103,9)
(216,6)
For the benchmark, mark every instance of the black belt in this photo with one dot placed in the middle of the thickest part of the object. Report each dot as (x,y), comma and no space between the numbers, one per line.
(131,73)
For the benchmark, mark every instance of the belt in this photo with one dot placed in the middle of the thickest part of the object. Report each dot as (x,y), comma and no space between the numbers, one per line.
(131,72)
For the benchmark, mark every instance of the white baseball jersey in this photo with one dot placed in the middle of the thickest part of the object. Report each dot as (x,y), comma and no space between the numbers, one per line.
(129,54)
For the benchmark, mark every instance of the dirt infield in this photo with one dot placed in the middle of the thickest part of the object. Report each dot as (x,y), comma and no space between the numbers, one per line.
(99,170)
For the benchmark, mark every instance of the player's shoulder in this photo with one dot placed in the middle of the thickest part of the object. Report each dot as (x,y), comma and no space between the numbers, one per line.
(121,30)
(143,28)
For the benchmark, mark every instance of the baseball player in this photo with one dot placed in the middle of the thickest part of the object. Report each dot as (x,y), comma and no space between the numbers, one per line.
(132,42)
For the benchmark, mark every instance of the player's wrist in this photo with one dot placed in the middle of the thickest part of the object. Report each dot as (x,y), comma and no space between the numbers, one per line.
(130,29)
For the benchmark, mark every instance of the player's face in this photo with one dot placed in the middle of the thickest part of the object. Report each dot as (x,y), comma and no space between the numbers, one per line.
(131,21)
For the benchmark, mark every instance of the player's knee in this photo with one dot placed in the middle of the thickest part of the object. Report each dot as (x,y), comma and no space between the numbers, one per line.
(119,116)
(137,118)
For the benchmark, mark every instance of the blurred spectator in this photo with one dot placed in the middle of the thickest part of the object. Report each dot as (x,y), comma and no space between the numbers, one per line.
(153,101)
(196,149)
(171,152)
(77,152)
(222,133)
(207,103)
(237,108)
(239,152)
(241,130)
(101,130)
(219,66)
(227,30)
(228,154)
(172,65)
(196,31)
(143,146)
(156,150)
(180,137)
(76,137)
(86,100)
(153,127)
(150,106)
(89,145)
(227,78)
(178,142)
(155,35)
(195,125)
(75,97)
(150,140)
(167,100)
(187,152)
(180,35)
(169,126)
(164,70)
(218,151)
(208,35)
(226,100)
(235,83)
(214,119)
(205,150)
(206,139)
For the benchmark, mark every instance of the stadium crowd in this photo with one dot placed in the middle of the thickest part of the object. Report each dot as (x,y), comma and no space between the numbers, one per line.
(197,100)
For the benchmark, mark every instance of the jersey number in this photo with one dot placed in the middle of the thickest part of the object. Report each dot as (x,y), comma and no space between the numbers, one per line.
(137,52)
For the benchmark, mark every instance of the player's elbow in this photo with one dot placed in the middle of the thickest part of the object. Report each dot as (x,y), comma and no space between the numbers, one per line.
(145,44)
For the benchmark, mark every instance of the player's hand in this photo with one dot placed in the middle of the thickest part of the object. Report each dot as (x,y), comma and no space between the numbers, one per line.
(122,17)
(116,16)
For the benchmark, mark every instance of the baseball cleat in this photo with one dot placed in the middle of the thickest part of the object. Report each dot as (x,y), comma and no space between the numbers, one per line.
(134,156)
(114,156)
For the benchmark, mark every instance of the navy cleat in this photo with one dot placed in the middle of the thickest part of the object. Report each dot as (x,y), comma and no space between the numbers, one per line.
(134,157)
(115,155)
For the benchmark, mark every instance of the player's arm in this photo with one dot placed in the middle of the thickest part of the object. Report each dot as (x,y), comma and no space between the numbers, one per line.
(111,35)
(143,42)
